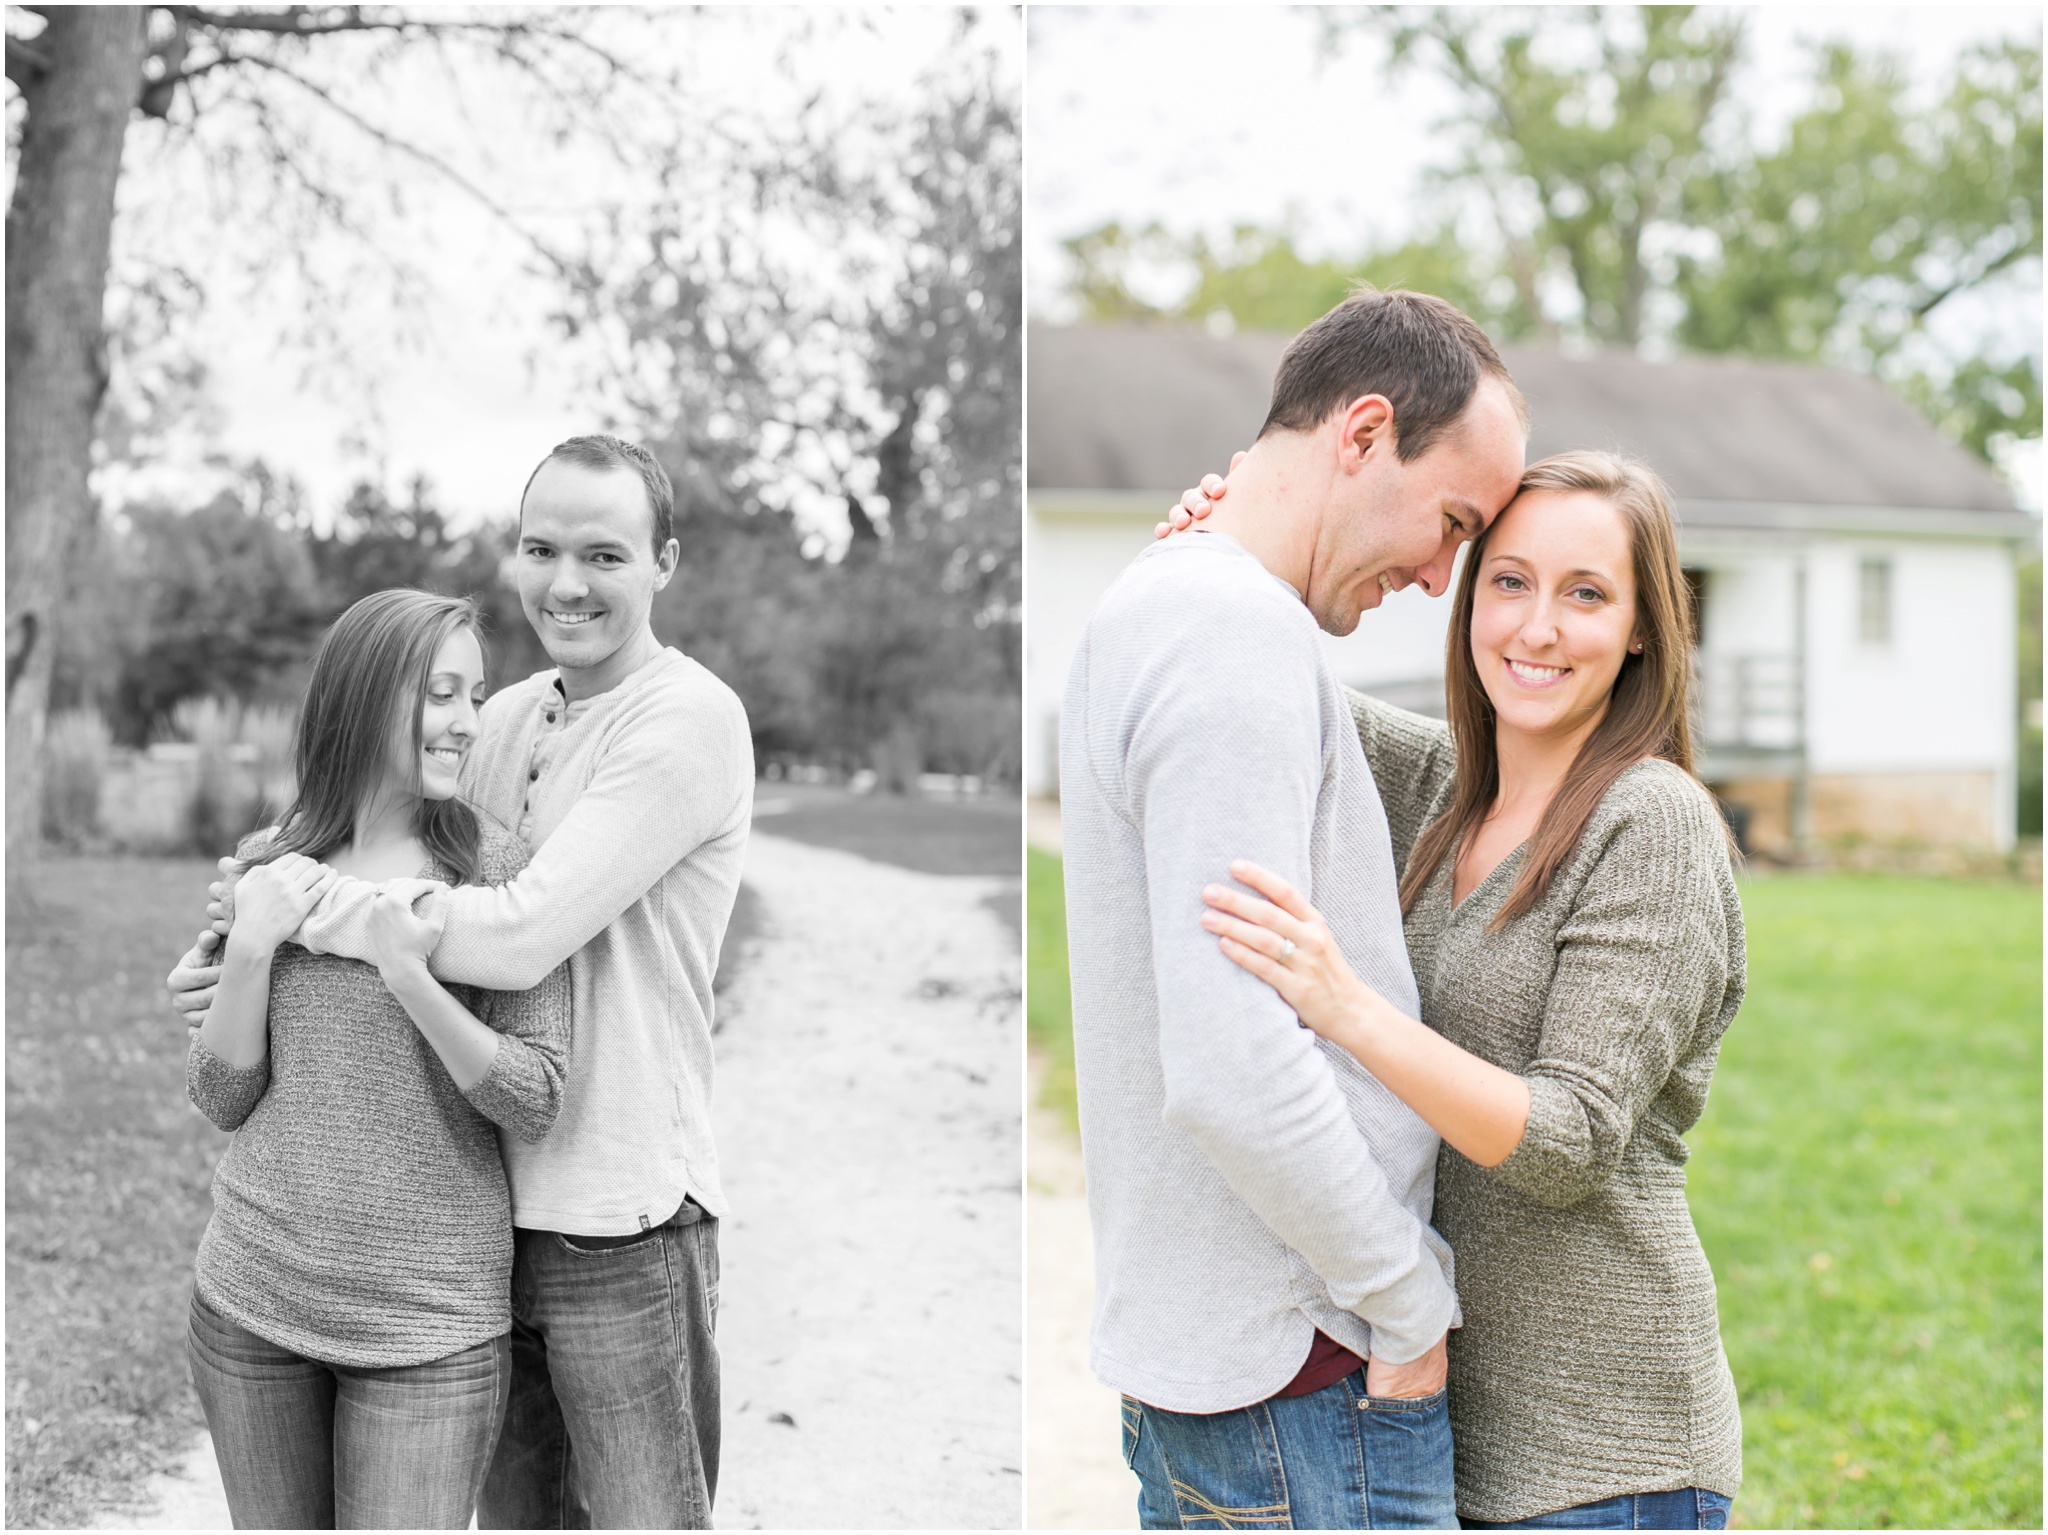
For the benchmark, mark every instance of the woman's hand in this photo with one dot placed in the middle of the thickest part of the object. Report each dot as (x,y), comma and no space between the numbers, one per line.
(399,937)
(1197,503)
(272,899)
(1284,941)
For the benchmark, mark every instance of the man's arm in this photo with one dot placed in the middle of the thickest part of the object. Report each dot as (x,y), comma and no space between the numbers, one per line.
(669,782)
(1225,761)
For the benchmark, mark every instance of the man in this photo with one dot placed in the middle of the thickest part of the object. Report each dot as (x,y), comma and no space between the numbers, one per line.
(628,770)
(1260,1202)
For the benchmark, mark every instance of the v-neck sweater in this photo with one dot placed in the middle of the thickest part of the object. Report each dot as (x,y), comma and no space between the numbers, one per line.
(1590,1363)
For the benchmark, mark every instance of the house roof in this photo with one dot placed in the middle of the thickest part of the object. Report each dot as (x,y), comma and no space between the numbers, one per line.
(1129,408)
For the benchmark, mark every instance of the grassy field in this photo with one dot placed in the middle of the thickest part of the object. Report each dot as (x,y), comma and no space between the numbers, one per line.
(107,1177)
(109,1169)
(1048,1017)
(1867,1181)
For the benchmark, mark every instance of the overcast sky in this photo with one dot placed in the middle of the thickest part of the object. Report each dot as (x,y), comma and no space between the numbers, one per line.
(1198,117)
(1205,117)
(477,387)
(1208,116)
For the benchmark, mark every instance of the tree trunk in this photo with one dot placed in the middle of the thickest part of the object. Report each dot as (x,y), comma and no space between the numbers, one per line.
(59,230)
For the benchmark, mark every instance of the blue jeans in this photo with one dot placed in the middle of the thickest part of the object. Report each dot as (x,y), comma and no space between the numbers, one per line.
(1335,1460)
(1689,1508)
(613,1421)
(304,1445)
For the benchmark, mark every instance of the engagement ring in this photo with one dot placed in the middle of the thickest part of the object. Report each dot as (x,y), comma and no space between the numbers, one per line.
(1286,950)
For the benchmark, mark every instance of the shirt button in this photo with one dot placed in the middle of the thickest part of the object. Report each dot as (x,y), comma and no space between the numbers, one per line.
(532,774)
(551,719)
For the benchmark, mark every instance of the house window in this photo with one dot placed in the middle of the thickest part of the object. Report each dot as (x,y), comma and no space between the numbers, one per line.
(1696,605)
(1874,600)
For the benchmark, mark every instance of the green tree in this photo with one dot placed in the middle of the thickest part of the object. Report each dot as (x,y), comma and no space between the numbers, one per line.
(1586,134)
(1606,155)
(1852,237)
(1259,279)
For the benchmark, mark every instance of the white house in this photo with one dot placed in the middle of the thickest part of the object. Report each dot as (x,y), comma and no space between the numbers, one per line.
(1853,570)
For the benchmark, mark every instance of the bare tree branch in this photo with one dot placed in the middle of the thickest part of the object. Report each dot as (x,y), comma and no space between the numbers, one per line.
(426,157)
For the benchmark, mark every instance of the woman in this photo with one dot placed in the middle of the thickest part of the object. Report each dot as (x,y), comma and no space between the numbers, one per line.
(349,1322)
(1572,920)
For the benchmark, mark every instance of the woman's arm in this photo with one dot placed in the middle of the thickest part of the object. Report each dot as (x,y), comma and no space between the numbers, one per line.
(227,1065)
(400,942)
(1648,956)
(237,1025)
(510,1069)
(524,1089)
(1473,1104)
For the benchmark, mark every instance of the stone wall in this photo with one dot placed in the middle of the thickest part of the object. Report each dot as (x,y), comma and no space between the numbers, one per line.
(1957,810)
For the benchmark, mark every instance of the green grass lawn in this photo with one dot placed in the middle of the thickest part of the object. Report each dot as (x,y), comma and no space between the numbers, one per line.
(1867,1181)
(1048,1014)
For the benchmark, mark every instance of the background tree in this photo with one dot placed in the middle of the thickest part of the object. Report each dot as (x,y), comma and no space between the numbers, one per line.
(847,339)
(1606,187)
(239,88)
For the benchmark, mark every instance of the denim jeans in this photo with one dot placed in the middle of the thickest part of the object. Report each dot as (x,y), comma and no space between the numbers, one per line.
(1689,1508)
(613,1421)
(1334,1460)
(304,1445)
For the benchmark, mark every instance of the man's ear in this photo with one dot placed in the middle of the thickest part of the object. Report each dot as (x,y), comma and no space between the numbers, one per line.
(665,563)
(1368,424)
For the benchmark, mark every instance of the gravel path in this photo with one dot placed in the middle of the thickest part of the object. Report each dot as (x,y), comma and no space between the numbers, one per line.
(868,1102)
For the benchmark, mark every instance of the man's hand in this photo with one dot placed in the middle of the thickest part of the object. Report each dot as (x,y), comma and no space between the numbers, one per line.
(193,979)
(221,909)
(1422,1376)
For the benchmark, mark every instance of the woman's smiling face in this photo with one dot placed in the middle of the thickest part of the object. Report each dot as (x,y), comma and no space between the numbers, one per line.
(448,720)
(1554,611)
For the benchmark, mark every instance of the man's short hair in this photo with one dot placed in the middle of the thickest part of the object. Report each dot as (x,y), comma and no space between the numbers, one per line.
(597,451)
(1424,355)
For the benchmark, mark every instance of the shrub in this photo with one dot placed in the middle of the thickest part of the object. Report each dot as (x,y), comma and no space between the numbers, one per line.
(266,735)
(76,746)
(224,801)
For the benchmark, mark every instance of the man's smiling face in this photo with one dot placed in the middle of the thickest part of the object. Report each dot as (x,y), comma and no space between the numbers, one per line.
(587,566)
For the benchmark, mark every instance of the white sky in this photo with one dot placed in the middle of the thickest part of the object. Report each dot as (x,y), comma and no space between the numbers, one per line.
(480,393)
(1207,116)
(1204,117)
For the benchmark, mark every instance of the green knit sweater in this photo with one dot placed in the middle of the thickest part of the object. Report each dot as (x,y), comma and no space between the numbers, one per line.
(1590,1362)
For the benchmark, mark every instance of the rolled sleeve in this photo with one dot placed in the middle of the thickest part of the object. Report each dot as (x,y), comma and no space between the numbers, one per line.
(1642,960)
(225,1094)
(522,1092)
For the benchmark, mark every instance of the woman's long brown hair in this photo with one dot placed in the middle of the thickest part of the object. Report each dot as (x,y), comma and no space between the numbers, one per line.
(369,677)
(1647,712)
